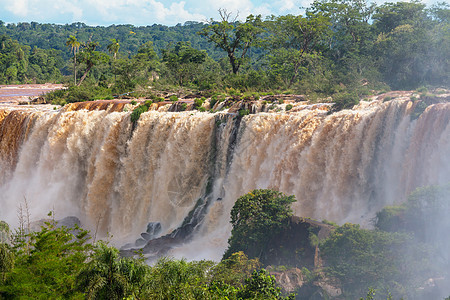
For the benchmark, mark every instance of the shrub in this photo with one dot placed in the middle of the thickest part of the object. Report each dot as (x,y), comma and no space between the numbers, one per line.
(136,114)
(243,112)
(289,107)
(173,98)
(198,103)
(418,110)
(362,258)
(344,101)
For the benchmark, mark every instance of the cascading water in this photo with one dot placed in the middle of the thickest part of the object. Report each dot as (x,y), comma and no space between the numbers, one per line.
(186,169)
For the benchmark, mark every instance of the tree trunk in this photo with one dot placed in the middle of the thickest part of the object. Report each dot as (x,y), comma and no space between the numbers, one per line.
(75,68)
(84,75)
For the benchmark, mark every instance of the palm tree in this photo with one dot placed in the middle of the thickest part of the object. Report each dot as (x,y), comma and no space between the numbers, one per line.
(114,48)
(108,276)
(101,278)
(74,44)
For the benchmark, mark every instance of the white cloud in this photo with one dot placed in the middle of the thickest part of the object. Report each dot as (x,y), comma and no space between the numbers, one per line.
(98,12)
(17,7)
(141,12)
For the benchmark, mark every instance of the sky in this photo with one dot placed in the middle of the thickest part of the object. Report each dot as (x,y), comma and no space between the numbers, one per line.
(139,12)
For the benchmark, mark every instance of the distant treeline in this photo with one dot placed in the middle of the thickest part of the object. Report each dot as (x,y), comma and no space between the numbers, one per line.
(344,47)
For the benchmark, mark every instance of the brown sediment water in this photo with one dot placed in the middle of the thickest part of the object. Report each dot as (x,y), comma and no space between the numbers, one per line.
(95,164)
(23,92)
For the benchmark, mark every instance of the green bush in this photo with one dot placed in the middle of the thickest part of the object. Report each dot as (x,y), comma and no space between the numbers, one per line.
(418,109)
(198,103)
(243,112)
(173,98)
(344,101)
(361,258)
(289,107)
(136,114)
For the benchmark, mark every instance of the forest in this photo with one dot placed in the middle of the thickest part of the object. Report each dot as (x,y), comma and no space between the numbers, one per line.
(345,49)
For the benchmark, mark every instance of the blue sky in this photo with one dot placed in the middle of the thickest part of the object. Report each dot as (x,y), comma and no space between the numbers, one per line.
(138,12)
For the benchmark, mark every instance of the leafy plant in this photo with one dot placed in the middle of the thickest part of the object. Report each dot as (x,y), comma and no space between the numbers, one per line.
(243,112)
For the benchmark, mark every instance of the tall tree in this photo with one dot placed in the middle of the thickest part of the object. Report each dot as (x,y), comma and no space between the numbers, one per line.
(295,43)
(183,61)
(234,37)
(74,45)
(102,277)
(91,57)
(114,48)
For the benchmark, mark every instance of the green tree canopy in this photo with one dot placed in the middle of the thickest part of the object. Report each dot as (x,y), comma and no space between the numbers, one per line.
(74,45)
(257,218)
(184,61)
(235,38)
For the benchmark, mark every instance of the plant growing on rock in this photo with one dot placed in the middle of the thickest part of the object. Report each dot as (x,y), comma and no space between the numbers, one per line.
(257,218)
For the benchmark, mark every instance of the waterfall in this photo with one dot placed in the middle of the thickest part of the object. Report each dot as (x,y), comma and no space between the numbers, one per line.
(179,168)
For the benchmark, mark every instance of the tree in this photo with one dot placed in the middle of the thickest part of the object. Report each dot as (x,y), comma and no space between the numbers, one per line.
(413,44)
(295,44)
(349,21)
(352,36)
(257,218)
(362,258)
(90,57)
(234,269)
(46,263)
(114,48)
(102,278)
(6,255)
(235,38)
(137,70)
(183,61)
(6,261)
(179,279)
(261,285)
(74,45)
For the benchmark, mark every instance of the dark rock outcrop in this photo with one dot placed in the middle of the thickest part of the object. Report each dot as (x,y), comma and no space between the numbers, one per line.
(297,246)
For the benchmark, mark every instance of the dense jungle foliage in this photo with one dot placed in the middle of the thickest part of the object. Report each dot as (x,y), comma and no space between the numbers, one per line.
(345,48)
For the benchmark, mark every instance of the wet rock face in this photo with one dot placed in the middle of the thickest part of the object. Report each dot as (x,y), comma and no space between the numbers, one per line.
(289,280)
(152,232)
(153,229)
(69,222)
